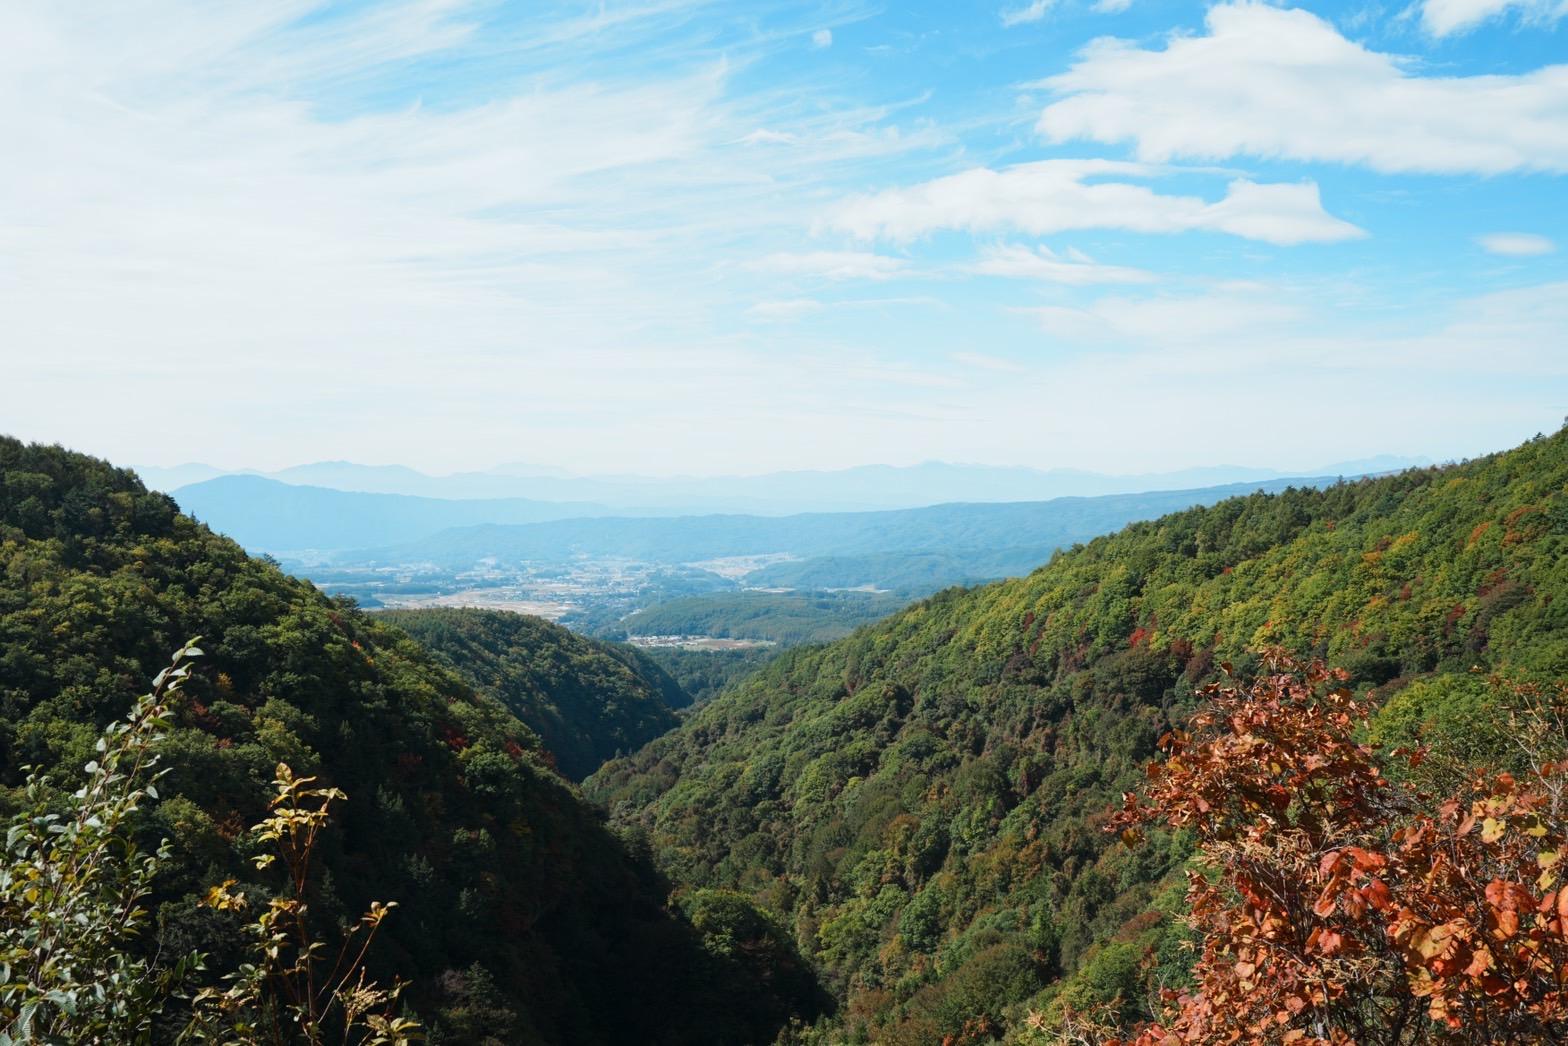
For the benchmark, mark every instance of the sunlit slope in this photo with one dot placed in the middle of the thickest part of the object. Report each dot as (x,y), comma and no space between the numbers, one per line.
(921,801)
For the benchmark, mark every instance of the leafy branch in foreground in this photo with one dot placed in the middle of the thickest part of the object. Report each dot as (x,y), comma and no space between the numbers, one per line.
(288,993)
(72,885)
(1339,907)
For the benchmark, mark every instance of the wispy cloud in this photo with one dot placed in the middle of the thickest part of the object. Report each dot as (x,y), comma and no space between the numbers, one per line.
(1447,17)
(832,265)
(986,362)
(1169,320)
(1033,11)
(764,136)
(1218,330)
(786,308)
(1516,244)
(283,191)
(424,229)
(1185,353)
(1073,268)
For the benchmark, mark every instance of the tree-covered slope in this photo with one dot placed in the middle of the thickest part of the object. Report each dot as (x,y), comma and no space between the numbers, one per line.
(520,918)
(787,618)
(922,801)
(589,701)
(705,673)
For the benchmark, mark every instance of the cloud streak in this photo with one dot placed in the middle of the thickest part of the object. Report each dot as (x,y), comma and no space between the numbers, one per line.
(1516,244)
(832,265)
(1034,11)
(1449,17)
(1073,268)
(1053,196)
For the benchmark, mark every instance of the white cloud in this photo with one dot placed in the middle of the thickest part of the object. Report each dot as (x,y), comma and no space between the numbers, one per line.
(1445,17)
(1111,7)
(1518,331)
(763,136)
(1168,320)
(786,308)
(1284,83)
(1074,268)
(1515,244)
(1299,360)
(987,362)
(832,265)
(1052,196)
(238,228)
(1031,12)
(822,38)
(1239,329)
(248,211)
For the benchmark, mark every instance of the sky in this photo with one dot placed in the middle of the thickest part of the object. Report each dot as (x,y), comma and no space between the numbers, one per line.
(674,236)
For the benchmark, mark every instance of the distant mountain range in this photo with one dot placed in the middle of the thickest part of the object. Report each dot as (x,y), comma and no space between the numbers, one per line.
(271,516)
(1008,538)
(864,488)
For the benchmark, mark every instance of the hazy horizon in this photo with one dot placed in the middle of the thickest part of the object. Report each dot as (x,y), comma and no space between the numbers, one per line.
(524,470)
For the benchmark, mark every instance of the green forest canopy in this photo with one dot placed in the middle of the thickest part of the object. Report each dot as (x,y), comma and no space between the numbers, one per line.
(916,808)
(587,700)
(517,909)
(787,618)
(920,803)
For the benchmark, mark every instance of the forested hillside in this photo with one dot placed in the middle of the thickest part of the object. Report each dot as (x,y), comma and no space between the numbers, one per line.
(787,618)
(520,918)
(922,802)
(704,673)
(588,701)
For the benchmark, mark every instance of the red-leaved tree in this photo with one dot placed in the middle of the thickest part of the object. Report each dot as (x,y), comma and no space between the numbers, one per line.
(1341,908)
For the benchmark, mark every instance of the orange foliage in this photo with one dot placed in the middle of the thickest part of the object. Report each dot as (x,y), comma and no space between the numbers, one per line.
(1346,909)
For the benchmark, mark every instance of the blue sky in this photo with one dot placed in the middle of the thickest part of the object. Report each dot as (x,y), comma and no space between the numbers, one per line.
(673,236)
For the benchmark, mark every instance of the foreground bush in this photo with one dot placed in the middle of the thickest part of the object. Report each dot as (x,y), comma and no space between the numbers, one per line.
(72,886)
(1336,906)
(72,883)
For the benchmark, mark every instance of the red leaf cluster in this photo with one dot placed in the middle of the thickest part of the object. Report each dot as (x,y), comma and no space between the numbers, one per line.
(1343,909)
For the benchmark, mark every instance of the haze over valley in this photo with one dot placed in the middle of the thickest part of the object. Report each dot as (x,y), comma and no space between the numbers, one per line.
(713,581)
